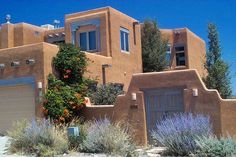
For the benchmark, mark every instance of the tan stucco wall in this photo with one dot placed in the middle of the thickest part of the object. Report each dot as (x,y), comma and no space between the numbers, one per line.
(123,64)
(195,49)
(208,102)
(42,53)
(14,35)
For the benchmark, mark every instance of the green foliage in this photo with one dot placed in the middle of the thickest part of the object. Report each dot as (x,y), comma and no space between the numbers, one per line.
(218,70)
(38,137)
(65,96)
(153,47)
(62,102)
(105,137)
(76,142)
(70,64)
(106,94)
(213,147)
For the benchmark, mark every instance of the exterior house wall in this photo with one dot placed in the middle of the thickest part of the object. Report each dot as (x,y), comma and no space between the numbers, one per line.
(208,102)
(14,35)
(123,64)
(195,49)
(42,53)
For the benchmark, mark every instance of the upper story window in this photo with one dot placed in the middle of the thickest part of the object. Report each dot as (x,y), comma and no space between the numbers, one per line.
(88,41)
(124,39)
(168,54)
(180,55)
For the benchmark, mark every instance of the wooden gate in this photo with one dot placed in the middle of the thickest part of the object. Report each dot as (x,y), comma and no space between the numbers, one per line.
(160,103)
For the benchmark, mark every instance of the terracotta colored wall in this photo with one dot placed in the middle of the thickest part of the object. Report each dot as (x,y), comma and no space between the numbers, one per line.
(123,64)
(196,53)
(14,35)
(41,52)
(208,102)
(7,35)
(195,49)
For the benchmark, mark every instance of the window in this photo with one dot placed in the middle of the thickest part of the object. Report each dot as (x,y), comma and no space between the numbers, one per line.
(124,39)
(88,41)
(180,56)
(168,54)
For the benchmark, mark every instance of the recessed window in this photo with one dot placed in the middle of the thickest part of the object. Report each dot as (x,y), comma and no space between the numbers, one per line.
(88,41)
(168,54)
(124,39)
(180,56)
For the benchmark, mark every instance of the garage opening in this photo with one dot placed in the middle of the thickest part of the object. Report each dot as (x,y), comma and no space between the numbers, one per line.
(160,103)
(16,102)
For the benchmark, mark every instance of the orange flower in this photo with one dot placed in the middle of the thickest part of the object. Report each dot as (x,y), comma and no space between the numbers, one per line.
(66,76)
(85,101)
(66,112)
(77,95)
(68,71)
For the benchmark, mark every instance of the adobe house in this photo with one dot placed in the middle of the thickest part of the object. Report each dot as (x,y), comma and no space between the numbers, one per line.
(112,42)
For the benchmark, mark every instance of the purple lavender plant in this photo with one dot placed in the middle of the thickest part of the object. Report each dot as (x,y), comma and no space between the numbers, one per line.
(179,132)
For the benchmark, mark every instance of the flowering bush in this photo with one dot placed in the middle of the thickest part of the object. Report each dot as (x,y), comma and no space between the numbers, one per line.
(179,132)
(106,137)
(65,94)
(62,102)
(70,64)
(38,137)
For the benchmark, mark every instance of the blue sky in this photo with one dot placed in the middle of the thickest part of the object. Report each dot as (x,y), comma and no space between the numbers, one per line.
(194,14)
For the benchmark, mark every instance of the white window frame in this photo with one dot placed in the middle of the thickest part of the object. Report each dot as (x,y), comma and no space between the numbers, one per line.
(126,31)
(87,40)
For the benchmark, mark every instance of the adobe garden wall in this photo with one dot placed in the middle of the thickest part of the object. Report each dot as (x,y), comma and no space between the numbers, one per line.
(208,102)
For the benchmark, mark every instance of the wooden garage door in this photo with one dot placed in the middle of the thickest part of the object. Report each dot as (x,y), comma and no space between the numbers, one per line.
(160,103)
(16,102)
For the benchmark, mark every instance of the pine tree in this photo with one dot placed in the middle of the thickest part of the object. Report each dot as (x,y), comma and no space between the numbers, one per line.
(218,70)
(153,47)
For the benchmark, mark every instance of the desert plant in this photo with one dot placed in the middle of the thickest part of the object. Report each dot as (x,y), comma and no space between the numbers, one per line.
(76,142)
(105,137)
(214,147)
(179,132)
(106,94)
(38,137)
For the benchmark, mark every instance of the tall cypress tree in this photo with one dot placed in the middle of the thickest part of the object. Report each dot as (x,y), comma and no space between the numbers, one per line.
(218,70)
(153,47)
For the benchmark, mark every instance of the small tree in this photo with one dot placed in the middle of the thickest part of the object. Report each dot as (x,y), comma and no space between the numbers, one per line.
(218,70)
(153,47)
(65,94)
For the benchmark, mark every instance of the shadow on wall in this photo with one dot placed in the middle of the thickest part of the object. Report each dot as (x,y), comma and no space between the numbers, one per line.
(196,98)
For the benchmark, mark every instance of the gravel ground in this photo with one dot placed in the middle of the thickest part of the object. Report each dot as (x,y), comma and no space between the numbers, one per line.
(152,152)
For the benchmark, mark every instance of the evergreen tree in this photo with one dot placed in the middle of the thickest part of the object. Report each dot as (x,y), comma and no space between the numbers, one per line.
(218,70)
(153,47)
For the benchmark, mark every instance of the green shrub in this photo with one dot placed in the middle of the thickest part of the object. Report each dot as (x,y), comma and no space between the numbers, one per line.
(76,142)
(179,132)
(106,94)
(38,137)
(105,137)
(70,64)
(62,102)
(214,147)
